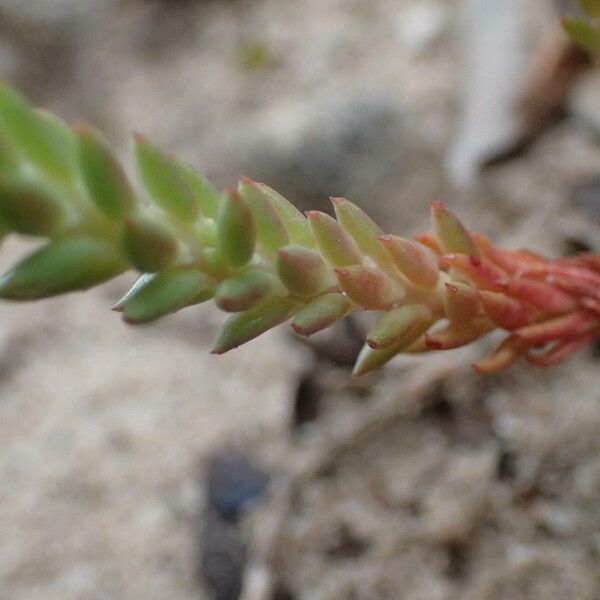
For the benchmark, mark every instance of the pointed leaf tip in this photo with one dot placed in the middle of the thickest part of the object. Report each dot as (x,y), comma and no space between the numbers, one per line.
(74,263)
(363,230)
(294,222)
(103,176)
(336,244)
(450,231)
(37,136)
(165,293)
(164,181)
(245,326)
(400,327)
(270,231)
(206,195)
(506,353)
(371,359)
(139,283)
(455,336)
(461,303)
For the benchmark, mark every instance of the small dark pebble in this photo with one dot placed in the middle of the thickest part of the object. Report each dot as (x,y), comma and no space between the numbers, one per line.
(307,401)
(457,560)
(282,592)
(234,484)
(586,197)
(506,467)
(438,406)
(223,557)
(347,544)
(573,245)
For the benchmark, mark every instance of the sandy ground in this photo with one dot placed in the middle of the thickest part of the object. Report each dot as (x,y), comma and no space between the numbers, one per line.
(492,493)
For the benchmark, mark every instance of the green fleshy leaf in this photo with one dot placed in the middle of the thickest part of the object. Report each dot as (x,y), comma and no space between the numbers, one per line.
(400,326)
(301,270)
(164,181)
(336,244)
(149,245)
(64,142)
(363,229)
(104,178)
(293,220)
(321,313)
(369,287)
(451,233)
(214,262)
(39,137)
(66,265)
(415,261)
(139,283)
(244,290)
(236,230)
(245,326)
(270,232)
(205,193)
(30,208)
(371,359)
(167,292)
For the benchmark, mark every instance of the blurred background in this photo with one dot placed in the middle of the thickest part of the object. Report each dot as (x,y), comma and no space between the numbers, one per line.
(134,465)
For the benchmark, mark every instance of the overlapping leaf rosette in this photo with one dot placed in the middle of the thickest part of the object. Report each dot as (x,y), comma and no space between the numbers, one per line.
(259,258)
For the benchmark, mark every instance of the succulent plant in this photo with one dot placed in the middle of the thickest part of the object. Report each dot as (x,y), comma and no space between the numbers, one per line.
(262,260)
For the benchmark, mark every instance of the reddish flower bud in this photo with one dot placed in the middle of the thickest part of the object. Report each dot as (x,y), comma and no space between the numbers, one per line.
(482,273)
(504,311)
(455,336)
(507,352)
(542,295)
(428,239)
(559,351)
(568,326)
